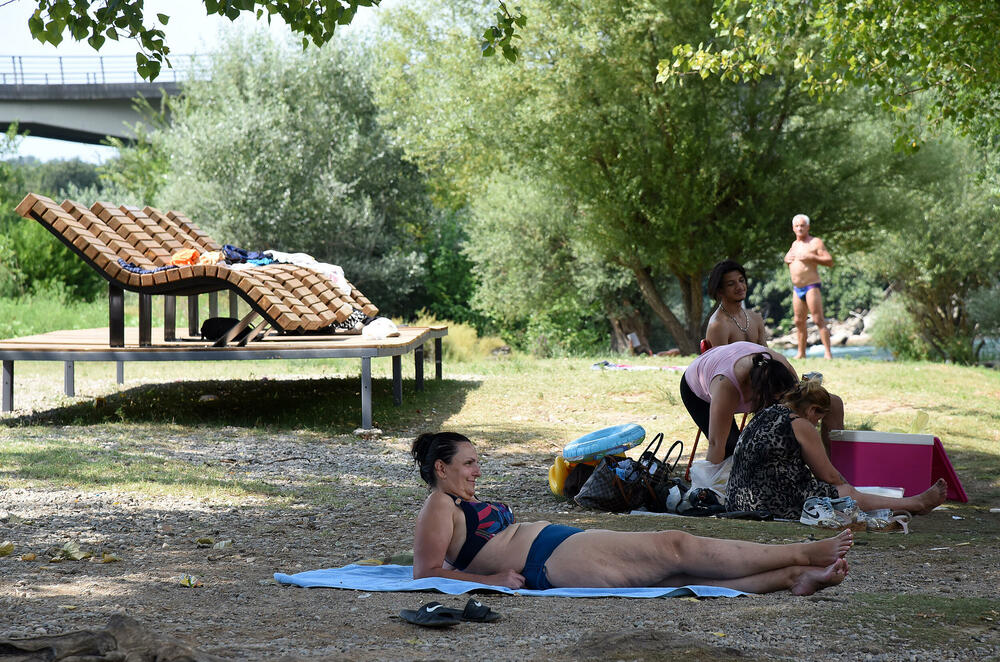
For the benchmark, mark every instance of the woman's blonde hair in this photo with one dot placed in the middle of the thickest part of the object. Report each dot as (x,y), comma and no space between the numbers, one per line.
(807,392)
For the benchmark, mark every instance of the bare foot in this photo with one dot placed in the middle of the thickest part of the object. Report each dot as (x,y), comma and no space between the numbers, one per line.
(823,552)
(932,497)
(817,578)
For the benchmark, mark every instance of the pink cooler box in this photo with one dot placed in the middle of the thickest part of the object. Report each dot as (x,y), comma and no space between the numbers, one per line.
(892,459)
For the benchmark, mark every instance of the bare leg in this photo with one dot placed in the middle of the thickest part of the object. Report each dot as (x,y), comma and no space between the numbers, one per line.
(610,558)
(800,311)
(801,580)
(834,420)
(919,504)
(814,300)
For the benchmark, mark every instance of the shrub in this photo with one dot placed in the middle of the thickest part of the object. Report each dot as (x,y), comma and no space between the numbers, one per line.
(463,342)
(895,329)
(48,308)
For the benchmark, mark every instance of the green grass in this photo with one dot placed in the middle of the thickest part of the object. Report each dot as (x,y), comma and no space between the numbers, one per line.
(931,620)
(41,313)
(90,464)
(509,404)
(50,311)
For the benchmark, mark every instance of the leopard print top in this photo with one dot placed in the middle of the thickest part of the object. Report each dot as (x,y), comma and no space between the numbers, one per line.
(769,472)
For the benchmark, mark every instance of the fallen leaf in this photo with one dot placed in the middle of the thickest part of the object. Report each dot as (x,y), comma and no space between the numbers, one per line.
(205,542)
(7,548)
(109,558)
(30,556)
(71,550)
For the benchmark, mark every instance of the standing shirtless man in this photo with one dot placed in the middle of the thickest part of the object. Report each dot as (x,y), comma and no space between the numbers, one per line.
(731,322)
(802,258)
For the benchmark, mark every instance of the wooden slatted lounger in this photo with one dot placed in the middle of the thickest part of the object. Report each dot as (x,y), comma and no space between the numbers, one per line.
(321,295)
(291,299)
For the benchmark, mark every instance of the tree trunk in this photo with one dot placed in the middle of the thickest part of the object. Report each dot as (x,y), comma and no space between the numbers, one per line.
(623,325)
(687,343)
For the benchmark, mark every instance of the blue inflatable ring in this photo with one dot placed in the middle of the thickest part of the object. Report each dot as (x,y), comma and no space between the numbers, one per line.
(609,441)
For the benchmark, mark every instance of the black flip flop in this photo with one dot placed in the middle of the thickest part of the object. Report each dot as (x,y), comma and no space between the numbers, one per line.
(431,615)
(478,612)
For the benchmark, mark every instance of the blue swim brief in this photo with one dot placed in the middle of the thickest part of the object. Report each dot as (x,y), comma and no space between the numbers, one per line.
(541,549)
(800,292)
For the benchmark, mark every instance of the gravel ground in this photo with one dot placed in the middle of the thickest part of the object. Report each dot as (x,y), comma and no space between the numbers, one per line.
(898,603)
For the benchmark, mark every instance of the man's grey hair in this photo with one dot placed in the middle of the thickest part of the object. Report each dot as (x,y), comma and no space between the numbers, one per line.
(800,216)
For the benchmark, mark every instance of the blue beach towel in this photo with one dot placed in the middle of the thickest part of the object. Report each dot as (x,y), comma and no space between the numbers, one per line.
(400,578)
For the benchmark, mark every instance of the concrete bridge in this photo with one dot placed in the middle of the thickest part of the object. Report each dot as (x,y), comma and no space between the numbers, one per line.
(83,98)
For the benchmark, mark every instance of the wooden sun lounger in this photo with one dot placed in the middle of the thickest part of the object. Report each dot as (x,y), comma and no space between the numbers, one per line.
(291,299)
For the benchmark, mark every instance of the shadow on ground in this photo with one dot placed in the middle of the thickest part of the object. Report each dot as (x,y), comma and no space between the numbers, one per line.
(331,404)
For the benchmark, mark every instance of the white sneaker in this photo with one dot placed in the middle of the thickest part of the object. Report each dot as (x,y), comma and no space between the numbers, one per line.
(818,511)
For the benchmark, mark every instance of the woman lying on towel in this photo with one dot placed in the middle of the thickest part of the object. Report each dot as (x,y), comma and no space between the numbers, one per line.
(460,537)
(780,462)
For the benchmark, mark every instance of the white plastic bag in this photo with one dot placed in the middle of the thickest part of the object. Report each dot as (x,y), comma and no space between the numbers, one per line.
(380,328)
(712,476)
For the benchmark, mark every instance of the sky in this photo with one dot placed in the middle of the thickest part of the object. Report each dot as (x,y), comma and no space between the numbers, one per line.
(189,31)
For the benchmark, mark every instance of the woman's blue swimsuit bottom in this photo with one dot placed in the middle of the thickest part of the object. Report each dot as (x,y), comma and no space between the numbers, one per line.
(541,549)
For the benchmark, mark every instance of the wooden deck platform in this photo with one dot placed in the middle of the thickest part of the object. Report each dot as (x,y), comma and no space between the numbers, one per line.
(94,345)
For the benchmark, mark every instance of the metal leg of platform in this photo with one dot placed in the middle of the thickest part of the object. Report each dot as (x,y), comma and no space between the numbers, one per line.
(120,372)
(8,386)
(213,304)
(169,318)
(234,304)
(69,381)
(397,380)
(116,316)
(418,367)
(366,391)
(193,329)
(437,358)
(145,320)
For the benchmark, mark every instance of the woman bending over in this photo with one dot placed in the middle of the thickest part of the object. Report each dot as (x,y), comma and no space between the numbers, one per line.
(740,377)
(780,462)
(460,537)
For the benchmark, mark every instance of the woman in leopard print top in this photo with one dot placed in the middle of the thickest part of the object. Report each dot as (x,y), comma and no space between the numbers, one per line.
(780,462)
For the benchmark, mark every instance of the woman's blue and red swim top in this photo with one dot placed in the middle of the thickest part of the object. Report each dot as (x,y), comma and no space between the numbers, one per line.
(483,520)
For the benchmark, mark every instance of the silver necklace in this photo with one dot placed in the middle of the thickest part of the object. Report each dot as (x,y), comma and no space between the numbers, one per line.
(746,320)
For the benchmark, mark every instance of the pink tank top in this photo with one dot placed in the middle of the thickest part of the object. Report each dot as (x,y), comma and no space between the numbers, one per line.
(720,361)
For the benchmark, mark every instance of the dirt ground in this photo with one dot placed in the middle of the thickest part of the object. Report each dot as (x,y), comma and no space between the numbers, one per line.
(929,595)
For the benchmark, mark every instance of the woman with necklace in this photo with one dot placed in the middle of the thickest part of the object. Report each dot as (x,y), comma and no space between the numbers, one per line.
(731,322)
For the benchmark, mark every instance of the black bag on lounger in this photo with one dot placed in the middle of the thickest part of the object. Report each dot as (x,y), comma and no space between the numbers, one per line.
(215,327)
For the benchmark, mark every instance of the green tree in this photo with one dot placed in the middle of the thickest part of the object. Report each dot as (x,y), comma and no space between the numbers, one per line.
(666,182)
(54,177)
(943,249)
(31,259)
(892,48)
(535,276)
(316,20)
(282,150)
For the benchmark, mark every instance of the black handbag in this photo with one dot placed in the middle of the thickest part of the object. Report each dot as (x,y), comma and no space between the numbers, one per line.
(659,471)
(617,485)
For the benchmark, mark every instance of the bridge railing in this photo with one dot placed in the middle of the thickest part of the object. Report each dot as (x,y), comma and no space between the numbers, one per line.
(94,69)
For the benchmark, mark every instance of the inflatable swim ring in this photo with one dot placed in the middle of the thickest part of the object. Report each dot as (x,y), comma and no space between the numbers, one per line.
(609,441)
